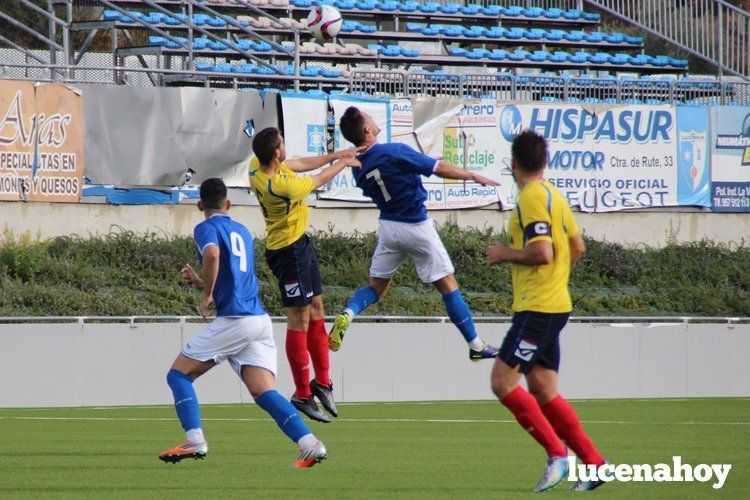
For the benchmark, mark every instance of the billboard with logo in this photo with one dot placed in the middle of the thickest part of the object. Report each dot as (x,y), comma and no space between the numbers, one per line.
(730,177)
(41,142)
(603,158)
(305,118)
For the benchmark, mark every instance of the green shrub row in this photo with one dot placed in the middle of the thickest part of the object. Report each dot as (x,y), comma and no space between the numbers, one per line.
(128,274)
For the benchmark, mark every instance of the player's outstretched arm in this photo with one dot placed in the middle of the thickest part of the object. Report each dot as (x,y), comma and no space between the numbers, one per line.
(315,162)
(450,171)
(332,171)
(536,253)
(210,272)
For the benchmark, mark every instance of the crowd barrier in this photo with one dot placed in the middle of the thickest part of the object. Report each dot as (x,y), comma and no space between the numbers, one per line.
(101,361)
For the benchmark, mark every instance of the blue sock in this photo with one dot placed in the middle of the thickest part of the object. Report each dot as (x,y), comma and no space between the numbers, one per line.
(285,415)
(362,299)
(185,400)
(460,314)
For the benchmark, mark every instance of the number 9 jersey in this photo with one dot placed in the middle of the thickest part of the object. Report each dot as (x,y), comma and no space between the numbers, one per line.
(391,175)
(236,288)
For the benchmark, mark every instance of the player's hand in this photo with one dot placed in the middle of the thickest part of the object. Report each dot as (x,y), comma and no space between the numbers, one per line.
(349,153)
(205,307)
(190,276)
(497,254)
(484,181)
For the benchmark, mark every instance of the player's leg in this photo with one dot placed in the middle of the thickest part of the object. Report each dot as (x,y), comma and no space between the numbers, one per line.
(298,322)
(460,315)
(287,266)
(197,358)
(518,356)
(255,363)
(317,344)
(386,260)
(434,266)
(261,384)
(542,380)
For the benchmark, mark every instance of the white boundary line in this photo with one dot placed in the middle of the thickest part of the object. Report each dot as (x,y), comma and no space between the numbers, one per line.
(368,420)
(373,403)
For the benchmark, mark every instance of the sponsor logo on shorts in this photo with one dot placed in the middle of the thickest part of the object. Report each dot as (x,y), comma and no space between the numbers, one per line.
(292,289)
(525,350)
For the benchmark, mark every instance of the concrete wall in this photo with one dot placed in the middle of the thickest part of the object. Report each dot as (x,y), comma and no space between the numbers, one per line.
(120,364)
(653,228)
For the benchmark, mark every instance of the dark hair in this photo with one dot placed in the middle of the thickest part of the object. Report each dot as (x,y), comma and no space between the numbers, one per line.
(529,150)
(265,144)
(213,194)
(352,125)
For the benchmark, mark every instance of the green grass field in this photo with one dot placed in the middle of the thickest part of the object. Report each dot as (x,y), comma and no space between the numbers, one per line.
(407,450)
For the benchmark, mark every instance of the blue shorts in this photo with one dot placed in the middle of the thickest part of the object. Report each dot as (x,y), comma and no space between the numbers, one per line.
(533,338)
(296,269)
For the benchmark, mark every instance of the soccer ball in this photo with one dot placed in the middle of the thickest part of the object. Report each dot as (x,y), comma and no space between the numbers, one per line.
(324,22)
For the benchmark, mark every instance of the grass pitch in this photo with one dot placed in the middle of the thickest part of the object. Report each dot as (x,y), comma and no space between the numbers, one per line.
(407,450)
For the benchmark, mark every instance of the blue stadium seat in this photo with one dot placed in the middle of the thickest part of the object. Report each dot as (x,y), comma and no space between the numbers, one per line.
(414,28)
(471,9)
(477,54)
(200,43)
(555,34)
(615,38)
(591,16)
(572,14)
(633,39)
(558,57)
(553,13)
(538,56)
(592,100)
(514,33)
(458,51)
(512,11)
(365,6)
(533,12)
(387,6)
(453,30)
(213,45)
(348,27)
(654,101)
(203,66)
(474,31)
(451,8)
(595,37)
(498,55)
(547,98)
(491,10)
(578,57)
(408,6)
(429,7)
(574,36)
(534,34)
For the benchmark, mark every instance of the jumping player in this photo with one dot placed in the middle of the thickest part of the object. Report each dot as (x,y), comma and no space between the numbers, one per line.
(544,243)
(291,257)
(391,174)
(241,332)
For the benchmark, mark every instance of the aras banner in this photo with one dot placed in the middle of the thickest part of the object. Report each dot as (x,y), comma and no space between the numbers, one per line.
(41,142)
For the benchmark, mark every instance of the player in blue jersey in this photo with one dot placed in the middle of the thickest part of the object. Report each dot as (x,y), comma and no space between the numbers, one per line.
(241,333)
(391,174)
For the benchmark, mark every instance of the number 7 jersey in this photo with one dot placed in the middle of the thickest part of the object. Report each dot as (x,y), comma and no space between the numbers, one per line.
(236,288)
(391,175)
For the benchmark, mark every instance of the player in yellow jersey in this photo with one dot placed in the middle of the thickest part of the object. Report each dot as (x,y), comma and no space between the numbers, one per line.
(544,243)
(291,257)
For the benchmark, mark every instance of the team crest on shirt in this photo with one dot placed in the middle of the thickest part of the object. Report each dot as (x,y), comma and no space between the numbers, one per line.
(525,350)
(292,289)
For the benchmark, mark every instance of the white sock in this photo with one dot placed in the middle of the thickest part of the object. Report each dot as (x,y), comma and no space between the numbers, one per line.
(349,313)
(307,441)
(476,344)
(195,436)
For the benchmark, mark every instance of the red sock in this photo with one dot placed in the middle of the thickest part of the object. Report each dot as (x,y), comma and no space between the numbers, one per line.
(529,415)
(317,344)
(565,421)
(299,361)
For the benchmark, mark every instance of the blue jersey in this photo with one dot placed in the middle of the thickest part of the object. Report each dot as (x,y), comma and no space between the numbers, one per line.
(391,175)
(236,288)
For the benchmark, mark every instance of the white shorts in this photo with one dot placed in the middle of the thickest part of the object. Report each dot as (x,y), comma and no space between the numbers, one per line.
(243,340)
(420,242)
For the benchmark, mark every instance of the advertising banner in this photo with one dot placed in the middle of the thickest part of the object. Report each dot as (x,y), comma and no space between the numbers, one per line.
(304,125)
(41,142)
(693,159)
(471,142)
(602,158)
(730,175)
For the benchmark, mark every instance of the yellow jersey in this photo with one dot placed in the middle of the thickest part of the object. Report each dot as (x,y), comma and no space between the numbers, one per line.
(542,214)
(282,201)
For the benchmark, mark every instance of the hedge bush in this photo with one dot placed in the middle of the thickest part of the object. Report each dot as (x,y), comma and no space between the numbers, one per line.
(128,274)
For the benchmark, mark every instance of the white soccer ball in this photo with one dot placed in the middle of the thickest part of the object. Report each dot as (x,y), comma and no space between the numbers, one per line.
(324,22)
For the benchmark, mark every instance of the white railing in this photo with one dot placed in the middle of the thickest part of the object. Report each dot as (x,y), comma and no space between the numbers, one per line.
(713,30)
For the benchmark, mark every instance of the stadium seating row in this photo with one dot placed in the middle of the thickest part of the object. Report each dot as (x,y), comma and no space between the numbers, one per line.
(516,33)
(565,57)
(253,69)
(522,33)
